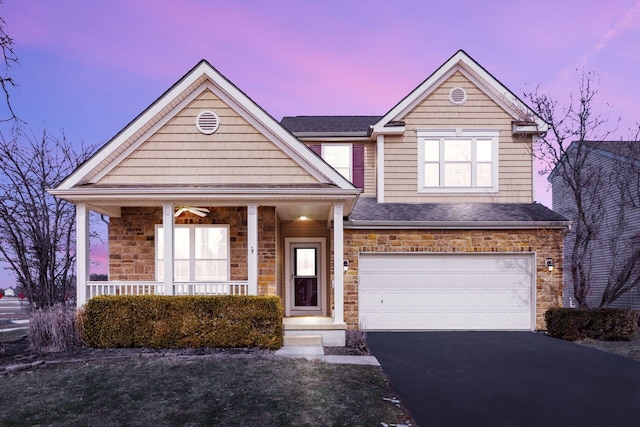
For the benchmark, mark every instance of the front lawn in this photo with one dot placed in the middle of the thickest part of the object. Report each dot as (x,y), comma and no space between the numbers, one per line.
(247,390)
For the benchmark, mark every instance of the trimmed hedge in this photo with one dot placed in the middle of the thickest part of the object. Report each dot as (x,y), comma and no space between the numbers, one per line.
(183,321)
(607,324)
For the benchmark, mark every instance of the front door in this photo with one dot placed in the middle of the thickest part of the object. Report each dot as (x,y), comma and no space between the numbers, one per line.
(306,289)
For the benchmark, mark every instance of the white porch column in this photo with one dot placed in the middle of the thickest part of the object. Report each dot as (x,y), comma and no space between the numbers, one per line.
(252,248)
(168,231)
(380,168)
(338,260)
(82,253)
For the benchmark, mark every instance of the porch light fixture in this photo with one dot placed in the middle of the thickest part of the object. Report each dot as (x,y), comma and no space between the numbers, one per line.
(549,263)
(345,265)
(303,218)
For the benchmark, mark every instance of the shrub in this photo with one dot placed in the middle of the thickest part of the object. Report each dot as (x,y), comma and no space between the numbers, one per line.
(54,329)
(357,338)
(606,324)
(183,321)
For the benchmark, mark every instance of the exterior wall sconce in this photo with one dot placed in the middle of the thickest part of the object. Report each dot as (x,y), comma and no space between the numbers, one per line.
(549,263)
(345,265)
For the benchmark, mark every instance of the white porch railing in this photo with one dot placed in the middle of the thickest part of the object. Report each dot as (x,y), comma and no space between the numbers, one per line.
(157,288)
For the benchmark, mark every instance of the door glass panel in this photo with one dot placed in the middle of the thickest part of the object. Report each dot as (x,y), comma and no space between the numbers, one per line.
(305,262)
(306,291)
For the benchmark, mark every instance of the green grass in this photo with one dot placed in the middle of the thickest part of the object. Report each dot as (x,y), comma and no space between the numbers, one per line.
(225,390)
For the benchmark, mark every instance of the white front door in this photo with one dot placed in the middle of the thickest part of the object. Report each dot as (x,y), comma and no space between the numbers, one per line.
(305,284)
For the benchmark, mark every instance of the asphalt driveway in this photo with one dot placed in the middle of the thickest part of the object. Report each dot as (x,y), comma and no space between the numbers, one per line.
(507,379)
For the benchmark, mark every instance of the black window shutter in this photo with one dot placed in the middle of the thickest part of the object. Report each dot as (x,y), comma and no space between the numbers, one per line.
(358,166)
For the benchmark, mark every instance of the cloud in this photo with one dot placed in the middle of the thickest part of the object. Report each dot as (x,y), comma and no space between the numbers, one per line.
(630,20)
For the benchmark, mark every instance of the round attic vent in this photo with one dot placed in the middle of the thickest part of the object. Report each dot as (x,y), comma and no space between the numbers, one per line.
(207,122)
(457,96)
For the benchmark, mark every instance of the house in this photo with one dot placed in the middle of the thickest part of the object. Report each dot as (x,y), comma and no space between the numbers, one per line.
(611,196)
(420,218)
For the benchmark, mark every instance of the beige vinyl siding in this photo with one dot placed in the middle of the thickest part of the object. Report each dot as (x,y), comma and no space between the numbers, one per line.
(237,153)
(369,170)
(145,128)
(515,172)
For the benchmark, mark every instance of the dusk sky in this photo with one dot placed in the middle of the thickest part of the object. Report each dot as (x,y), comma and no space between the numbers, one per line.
(90,67)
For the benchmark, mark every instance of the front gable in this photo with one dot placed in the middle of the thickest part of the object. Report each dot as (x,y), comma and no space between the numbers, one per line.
(459,104)
(178,153)
(163,147)
(477,76)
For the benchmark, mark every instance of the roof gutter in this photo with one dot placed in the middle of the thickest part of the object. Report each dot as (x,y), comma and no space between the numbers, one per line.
(455,225)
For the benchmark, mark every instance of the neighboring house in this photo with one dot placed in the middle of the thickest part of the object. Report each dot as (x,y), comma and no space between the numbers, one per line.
(617,235)
(425,219)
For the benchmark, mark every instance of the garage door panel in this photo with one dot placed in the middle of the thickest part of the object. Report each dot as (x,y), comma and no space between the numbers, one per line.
(445,291)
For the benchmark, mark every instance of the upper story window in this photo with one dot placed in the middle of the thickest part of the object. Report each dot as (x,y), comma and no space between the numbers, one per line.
(458,161)
(347,159)
(339,157)
(201,253)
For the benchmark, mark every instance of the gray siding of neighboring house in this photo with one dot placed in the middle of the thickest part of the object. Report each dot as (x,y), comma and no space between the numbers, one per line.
(601,260)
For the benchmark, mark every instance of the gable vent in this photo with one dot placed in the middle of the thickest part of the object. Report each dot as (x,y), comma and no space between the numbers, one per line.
(457,96)
(207,122)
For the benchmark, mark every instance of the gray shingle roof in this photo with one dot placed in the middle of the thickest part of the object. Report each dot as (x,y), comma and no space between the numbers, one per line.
(628,149)
(369,211)
(329,124)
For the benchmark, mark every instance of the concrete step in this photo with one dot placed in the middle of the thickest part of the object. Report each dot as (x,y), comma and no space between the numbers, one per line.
(309,352)
(297,340)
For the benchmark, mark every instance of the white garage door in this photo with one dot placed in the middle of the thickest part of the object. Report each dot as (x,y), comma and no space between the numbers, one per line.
(445,291)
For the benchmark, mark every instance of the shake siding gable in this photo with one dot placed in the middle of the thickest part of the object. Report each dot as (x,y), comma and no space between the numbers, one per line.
(236,153)
(478,112)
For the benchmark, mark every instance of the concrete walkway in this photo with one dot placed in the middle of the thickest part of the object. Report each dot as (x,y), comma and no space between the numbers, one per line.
(316,352)
(507,379)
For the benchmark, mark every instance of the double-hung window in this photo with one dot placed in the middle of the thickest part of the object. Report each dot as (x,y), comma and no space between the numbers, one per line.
(339,157)
(347,159)
(457,161)
(201,253)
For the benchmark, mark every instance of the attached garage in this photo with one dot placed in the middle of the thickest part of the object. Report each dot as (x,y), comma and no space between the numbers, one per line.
(401,291)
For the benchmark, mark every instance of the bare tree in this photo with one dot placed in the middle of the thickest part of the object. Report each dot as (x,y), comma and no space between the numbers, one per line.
(37,231)
(624,202)
(568,163)
(9,59)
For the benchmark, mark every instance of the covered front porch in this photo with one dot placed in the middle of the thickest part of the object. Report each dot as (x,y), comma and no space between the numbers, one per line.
(257,249)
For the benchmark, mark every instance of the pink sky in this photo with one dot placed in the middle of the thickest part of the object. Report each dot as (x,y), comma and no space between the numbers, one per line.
(89,67)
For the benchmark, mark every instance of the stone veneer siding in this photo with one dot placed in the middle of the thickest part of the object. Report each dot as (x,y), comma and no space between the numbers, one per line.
(132,243)
(545,243)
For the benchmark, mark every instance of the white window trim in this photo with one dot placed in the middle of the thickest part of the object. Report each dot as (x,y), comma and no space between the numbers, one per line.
(350,147)
(424,134)
(192,260)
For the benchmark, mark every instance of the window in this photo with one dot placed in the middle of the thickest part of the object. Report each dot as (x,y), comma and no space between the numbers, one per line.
(458,161)
(347,159)
(339,157)
(201,253)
